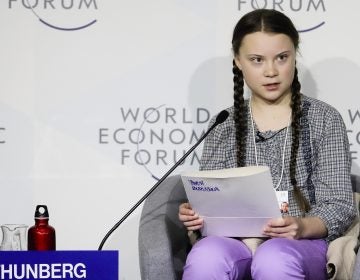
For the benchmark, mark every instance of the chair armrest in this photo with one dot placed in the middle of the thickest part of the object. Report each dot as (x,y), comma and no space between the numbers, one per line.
(355,181)
(163,240)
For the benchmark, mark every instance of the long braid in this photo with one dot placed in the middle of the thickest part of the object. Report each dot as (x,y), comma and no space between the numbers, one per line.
(239,116)
(295,125)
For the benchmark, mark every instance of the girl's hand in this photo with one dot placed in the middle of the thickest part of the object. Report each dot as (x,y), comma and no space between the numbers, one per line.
(288,227)
(190,219)
(296,228)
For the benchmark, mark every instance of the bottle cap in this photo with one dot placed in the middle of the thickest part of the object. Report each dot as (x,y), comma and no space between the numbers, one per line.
(41,212)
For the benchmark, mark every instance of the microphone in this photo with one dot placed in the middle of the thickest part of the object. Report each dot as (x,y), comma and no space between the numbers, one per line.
(221,117)
(259,137)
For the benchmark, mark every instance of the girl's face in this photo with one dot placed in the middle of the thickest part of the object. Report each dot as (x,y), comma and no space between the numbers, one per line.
(267,61)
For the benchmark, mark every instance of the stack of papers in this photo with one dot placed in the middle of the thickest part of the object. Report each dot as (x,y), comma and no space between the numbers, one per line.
(235,202)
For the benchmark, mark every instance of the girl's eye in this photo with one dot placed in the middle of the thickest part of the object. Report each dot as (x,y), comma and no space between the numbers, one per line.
(256,59)
(282,57)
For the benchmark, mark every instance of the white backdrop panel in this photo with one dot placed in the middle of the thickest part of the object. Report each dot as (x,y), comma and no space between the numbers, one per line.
(81,79)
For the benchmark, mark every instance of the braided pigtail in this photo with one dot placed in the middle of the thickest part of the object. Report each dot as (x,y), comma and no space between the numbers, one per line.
(295,125)
(240,117)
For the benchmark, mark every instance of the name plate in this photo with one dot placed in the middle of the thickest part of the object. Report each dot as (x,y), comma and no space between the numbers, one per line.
(91,265)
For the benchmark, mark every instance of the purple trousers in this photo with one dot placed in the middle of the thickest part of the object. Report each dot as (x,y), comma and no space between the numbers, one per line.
(222,258)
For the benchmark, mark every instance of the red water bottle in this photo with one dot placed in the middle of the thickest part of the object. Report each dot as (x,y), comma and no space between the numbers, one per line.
(41,236)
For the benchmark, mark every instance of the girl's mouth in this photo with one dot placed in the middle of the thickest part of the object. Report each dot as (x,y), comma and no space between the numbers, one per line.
(272,87)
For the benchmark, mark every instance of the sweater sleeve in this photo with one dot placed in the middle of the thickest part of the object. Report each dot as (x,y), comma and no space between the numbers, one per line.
(333,191)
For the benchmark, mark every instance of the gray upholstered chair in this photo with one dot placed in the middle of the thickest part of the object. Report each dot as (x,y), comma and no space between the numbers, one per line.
(355,180)
(163,240)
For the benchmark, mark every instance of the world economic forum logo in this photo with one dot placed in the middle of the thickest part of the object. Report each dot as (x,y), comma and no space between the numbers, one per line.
(2,135)
(156,137)
(308,15)
(64,15)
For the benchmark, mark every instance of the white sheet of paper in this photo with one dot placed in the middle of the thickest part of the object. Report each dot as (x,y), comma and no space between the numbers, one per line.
(234,202)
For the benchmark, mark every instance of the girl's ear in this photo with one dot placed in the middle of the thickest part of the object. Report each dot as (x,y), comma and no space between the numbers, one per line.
(237,62)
